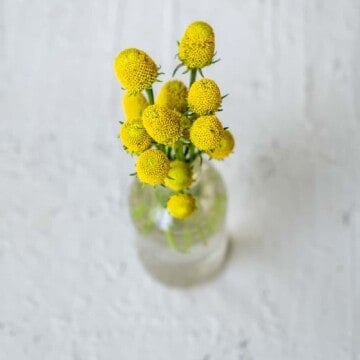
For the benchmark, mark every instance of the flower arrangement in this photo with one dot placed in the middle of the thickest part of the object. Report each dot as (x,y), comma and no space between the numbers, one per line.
(168,133)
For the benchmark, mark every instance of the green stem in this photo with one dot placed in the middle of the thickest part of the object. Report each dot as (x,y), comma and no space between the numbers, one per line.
(150,95)
(191,153)
(179,152)
(192,76)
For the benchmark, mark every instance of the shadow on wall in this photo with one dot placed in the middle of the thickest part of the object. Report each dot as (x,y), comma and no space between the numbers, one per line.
(278,204)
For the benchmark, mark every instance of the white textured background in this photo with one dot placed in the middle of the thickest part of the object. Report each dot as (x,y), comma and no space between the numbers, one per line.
(71,285)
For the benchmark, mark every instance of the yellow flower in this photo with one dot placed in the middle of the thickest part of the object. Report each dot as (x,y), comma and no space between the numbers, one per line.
(135,70)
(133,105)
(179,176)
(204,97)
(162,124)
(206,132)
(134,137)
(181,206)
(225,147)
(173,95)
(152,167)
(196,48)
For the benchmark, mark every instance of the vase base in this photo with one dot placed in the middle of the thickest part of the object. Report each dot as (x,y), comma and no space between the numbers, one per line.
(190,268)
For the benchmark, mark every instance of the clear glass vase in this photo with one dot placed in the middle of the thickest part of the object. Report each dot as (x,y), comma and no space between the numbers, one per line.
(181,252)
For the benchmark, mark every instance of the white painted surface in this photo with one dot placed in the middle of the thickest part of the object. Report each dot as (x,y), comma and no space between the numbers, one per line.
(71,284)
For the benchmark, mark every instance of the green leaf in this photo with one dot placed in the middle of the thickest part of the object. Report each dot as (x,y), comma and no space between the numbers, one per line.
(215,61)
(177,68)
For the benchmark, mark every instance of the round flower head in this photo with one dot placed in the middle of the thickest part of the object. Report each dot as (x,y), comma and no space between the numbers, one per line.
(134,137)
(181,206)
(225,147)
(206,132)
(196,48)
(173,95)
(162,124)
(135,70)
(133,105)
(152,167)
(204,97)
(179,176)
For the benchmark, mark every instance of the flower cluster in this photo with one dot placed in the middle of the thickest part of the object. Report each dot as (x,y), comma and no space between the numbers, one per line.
(169,132)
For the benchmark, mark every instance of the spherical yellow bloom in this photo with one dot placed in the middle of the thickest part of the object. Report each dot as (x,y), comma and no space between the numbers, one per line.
(134,136)
(181,206)
(135,70)
(196,48)
(225,147)
(133,105)
(206,132)
(162,124)
(204,97)
(152,167)
(173,95)
(179,176)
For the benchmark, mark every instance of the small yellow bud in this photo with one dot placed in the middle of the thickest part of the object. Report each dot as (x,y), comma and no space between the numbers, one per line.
(179,176)
(162,124)
(152,167)
(135,70)
(204,97)
(181,206)
(197,46)
(206,132)
(133,105)
(134,137)
(225,147)
(173,95)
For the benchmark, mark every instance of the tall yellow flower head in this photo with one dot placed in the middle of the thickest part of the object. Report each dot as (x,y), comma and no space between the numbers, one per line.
(181,206)
(133,105)
(225,147)
(206,132)
(179,176)
(204,97)
(152,167)
(135,70)
(173,95)
(197,46)
(134,136)
(162,124)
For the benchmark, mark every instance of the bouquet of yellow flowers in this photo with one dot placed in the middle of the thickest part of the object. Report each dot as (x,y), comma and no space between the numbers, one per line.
(169,132)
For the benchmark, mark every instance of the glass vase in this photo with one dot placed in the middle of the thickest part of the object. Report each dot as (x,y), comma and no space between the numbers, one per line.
(181,252)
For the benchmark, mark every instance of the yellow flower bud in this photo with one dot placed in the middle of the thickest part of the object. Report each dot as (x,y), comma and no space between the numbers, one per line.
(133,105)
(225,147)
(181,206)
(196,48)
(162,124)
(173,95)
(135,70)
(204,97)
(179,176)
(152,167)
(206,132)
(134,136)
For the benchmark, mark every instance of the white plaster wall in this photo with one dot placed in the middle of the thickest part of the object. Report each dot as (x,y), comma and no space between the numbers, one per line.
(71,285)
